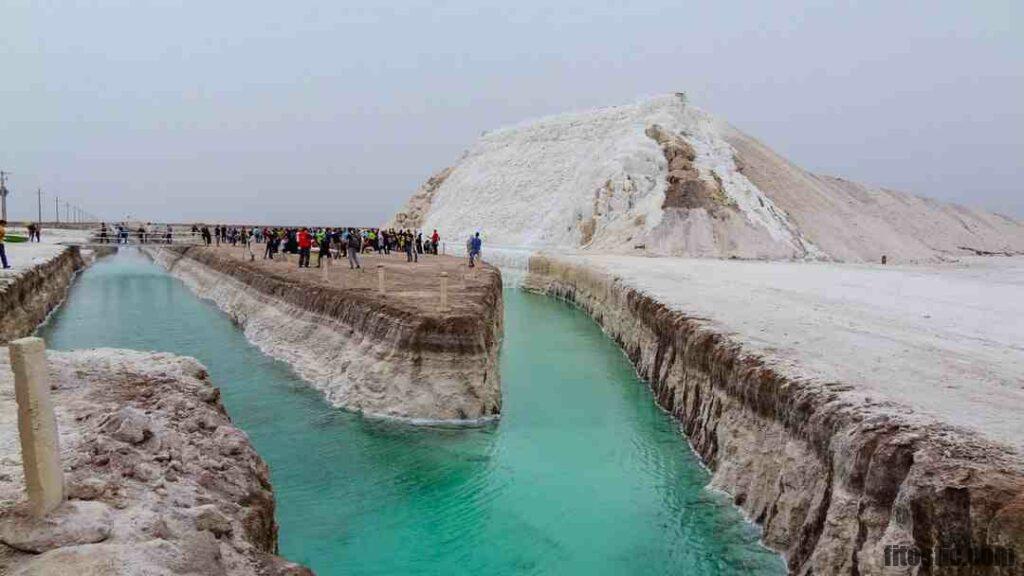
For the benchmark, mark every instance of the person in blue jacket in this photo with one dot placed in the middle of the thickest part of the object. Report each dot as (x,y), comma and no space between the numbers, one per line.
(475,244)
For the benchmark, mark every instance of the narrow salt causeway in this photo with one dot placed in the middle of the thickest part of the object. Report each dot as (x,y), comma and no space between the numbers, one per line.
(584,473)
(375,340)
(39,278)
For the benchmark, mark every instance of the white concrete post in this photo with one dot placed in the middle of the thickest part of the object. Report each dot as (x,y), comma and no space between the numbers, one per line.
(444,291)
(380,278)
(37,426)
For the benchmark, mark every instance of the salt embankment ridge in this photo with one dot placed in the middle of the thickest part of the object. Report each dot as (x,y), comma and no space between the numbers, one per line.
(842,414)
(39,280)
(157,479)
(394,356)
(833,470)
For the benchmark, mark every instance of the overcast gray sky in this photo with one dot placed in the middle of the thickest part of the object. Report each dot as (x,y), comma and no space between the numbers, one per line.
(335,111)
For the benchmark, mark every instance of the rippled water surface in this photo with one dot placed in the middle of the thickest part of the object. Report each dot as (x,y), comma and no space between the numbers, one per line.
(584,475)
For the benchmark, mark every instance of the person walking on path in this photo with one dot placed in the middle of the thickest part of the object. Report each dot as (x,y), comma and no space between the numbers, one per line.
(324,242)
(352,249)
(249,244)
(305,242)
(434,239)
(291,242)
(410,250)
(473,246)
(271,243)
(3,251)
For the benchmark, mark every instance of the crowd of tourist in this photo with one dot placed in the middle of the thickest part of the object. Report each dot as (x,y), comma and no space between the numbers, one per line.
(340,243)
(145,234)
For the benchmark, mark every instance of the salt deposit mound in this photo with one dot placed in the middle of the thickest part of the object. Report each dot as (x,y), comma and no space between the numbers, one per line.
(662,177)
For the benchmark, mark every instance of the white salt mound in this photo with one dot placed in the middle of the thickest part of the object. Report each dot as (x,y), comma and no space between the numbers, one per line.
(600,181)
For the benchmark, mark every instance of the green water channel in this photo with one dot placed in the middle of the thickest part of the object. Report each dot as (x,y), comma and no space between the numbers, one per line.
(583,475)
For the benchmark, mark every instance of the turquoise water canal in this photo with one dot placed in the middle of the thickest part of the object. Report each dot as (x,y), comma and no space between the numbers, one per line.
(584,475)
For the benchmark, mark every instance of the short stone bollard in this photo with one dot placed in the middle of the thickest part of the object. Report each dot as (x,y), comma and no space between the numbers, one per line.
(37,426)
(380,278)
(444,291)
(323,267)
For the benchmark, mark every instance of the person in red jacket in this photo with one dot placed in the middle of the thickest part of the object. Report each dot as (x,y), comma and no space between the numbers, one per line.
(305,240)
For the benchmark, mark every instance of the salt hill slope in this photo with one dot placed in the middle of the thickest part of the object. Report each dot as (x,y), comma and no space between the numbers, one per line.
(662,177)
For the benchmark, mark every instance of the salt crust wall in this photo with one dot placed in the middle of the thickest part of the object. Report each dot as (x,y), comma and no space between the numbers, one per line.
(157,478)
(362,355)
(830,482)
(34,293)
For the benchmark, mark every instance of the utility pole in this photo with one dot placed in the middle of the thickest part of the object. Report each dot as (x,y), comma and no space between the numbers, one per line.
(56,209)
(3,194)
(39,203)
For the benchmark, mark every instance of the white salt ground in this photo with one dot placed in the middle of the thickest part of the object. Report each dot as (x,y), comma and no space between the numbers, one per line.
(25,255)
(944,340)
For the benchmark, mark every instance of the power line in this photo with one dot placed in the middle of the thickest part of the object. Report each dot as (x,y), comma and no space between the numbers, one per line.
(72,213)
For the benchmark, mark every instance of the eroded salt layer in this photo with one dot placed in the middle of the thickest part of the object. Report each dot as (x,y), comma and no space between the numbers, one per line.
(359,355)
(832,477)
(157,478)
